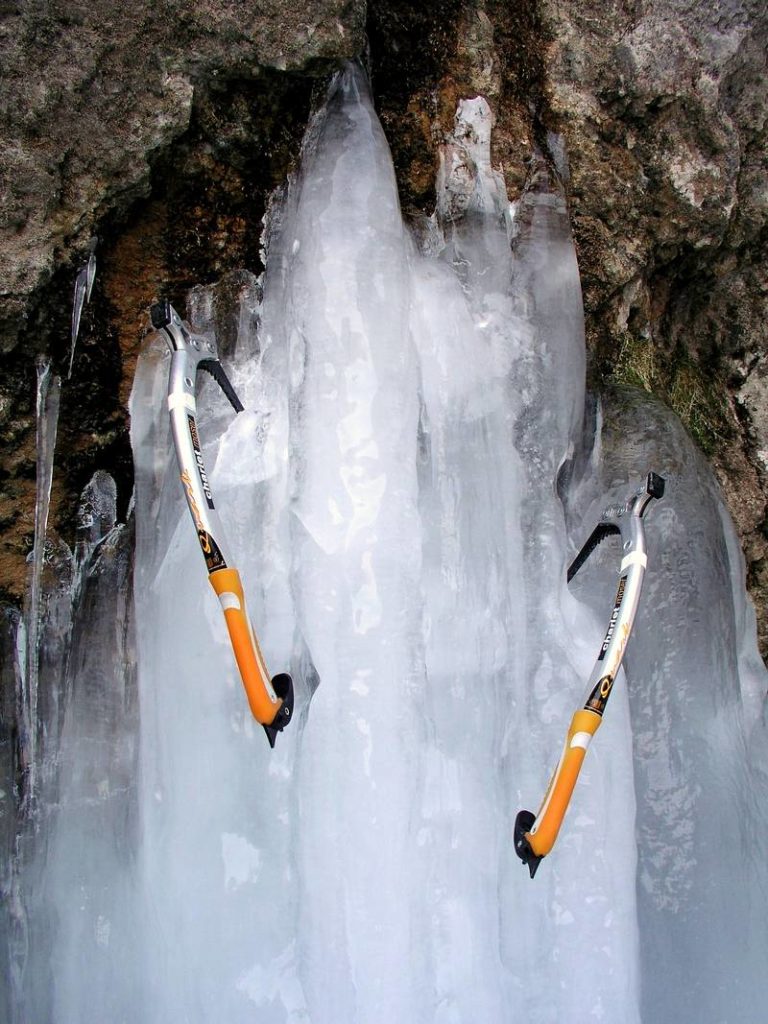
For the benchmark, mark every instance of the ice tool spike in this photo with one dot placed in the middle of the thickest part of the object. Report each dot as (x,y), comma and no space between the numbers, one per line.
(535,834)
(270,700)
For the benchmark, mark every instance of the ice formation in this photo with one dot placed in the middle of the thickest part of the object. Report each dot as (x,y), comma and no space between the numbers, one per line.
(411,478)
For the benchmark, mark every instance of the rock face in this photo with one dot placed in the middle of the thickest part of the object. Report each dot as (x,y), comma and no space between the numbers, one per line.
(162,128)
(92,92)
(663,107)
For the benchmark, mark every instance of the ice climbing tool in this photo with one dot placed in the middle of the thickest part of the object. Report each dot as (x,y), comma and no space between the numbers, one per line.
(535,835)
(271,701)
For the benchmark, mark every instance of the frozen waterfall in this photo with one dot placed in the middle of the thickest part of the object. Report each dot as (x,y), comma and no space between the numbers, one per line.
(412,475)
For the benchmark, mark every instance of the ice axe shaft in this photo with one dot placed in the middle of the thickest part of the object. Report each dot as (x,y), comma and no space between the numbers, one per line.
(535,835)
(270,700)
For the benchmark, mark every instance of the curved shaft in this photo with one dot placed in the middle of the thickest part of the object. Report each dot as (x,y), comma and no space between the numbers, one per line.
(535,835)
(271,701)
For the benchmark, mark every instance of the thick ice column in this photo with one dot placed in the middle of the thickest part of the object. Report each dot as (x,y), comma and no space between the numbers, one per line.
(587,883)
(47,408)
(357,550)
(216,808)
(695,687)
(80,889)
(54,638)
(469,485)
(62,864)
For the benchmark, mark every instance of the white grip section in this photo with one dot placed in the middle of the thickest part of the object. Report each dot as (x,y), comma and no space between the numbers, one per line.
(634,558)
(181,400)
(229,600)
(581,739)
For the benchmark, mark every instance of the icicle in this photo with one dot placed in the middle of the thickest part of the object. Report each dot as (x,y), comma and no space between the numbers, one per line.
(48,398)
(82,294)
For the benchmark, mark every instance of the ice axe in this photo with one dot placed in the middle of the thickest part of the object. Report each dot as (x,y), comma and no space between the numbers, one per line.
(535,834)
(270,699)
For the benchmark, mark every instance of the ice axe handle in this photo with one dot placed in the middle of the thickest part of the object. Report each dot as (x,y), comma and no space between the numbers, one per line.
(269,706)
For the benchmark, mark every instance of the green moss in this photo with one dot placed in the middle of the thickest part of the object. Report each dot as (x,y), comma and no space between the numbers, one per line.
(636,364)
(700,400)
(698,395)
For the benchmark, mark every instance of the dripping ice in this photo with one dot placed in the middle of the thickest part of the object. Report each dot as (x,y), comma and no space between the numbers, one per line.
(412,475)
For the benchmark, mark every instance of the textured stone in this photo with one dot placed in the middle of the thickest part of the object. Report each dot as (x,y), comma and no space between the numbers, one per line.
(91,92)
(663,108)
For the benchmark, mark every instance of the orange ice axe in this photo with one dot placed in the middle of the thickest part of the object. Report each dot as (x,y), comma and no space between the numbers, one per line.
(535,834)
(270,699)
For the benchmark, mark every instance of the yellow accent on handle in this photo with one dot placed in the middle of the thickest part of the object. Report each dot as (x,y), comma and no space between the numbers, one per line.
(561,785)
(250,661)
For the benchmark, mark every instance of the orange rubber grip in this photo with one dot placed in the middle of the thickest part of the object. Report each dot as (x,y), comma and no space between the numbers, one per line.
(560,790)
(263,701)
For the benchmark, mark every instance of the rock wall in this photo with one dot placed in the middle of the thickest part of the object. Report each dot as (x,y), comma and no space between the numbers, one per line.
(663,106)
(162,128)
